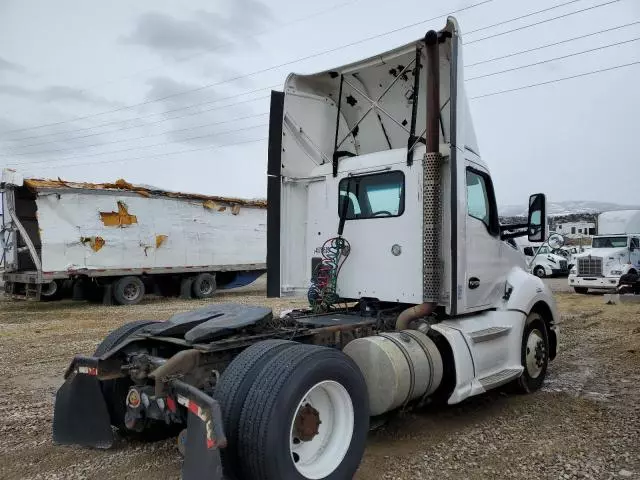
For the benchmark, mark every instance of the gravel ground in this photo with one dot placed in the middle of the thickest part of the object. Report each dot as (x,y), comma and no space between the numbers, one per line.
(585,423)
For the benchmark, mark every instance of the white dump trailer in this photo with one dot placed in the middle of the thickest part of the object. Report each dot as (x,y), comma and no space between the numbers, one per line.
(119,240)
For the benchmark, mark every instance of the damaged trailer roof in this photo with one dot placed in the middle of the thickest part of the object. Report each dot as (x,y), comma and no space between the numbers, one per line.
(38,184)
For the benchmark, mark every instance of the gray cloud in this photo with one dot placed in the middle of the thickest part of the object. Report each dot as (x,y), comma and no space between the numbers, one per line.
(54,93)
(6,65)
(204,32)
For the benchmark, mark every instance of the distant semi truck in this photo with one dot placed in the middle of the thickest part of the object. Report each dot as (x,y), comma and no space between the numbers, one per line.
(615,251)
(117,241)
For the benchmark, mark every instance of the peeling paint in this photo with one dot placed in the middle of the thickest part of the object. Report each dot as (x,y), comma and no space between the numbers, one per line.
(96,243)
(160,239)
(211,205)
(121,218)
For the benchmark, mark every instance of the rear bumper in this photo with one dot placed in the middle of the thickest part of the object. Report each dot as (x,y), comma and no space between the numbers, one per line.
(81,415)
(594,282)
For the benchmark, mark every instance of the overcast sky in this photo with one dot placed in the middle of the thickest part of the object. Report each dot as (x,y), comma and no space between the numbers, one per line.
(65,59)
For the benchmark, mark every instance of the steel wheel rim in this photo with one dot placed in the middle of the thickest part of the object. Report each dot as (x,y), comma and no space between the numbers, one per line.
(206,287)
(539,272)
(131,291)
(535,354)
(52,288)
(321,455)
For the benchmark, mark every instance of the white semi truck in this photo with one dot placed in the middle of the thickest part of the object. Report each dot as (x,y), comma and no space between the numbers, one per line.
(378,194)
(614,252)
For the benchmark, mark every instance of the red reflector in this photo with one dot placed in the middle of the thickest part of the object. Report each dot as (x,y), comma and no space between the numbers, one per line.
(171,405)
(193,407)
(211,443)
(93,371)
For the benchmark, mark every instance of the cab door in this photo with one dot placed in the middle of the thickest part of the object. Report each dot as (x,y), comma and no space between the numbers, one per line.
(486,270)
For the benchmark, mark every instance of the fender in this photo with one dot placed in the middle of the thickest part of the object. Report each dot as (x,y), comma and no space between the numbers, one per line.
(528,292)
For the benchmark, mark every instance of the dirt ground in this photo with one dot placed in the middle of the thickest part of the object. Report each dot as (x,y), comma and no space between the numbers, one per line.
(585,423)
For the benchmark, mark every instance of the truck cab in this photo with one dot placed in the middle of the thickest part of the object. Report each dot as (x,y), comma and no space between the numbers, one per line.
(610,257)
(614,252)
(543,262)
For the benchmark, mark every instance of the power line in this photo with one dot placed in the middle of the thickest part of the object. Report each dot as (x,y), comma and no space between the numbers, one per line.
(563,57)
(149,123)
(532,85)
(547,45)
(214,135)
(257,72)
(147,116)
(136,138)
(210,147)
(541,22)
(523,16)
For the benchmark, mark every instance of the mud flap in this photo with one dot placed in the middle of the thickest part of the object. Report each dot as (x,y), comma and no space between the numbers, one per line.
(80,414)
(205,435)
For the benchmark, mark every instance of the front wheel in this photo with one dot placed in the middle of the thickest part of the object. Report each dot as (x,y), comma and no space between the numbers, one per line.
(535,354)
(539,272)
(305,417)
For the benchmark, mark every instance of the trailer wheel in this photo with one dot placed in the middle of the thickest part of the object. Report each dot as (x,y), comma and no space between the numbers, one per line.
(305,417)
(581,290)
(128,290)
(535,354)
(115,391)
(51,291)
(539,272)
(204,285)
(232,389)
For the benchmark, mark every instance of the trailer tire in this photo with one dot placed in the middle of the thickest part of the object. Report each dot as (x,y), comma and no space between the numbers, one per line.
(115,391)
(204,285)
(51,291)
(128,290)
(231,392)
(535,354)
(313,392)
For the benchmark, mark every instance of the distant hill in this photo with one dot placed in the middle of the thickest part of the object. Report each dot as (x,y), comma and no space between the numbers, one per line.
(568,208)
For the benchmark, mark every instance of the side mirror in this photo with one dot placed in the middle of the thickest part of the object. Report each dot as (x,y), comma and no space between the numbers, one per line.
(537,220)
(556,241)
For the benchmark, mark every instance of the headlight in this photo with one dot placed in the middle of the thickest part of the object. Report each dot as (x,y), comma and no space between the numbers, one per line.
(616,272)
(572,271)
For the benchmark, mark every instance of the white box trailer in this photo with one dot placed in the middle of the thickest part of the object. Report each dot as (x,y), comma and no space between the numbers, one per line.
(126,239)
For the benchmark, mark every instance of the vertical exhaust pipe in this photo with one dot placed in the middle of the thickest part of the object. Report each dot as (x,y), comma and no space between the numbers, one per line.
(431,193)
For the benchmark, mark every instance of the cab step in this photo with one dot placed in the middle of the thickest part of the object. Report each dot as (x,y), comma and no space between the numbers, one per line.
(500,378)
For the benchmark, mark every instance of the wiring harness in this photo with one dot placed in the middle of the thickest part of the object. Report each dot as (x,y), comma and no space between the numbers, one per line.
(322,293)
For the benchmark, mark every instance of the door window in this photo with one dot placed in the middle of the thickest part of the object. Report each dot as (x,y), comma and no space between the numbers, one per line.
(372,196)
(481,203)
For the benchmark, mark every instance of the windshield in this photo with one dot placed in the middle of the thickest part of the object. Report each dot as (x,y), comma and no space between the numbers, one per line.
(609,242)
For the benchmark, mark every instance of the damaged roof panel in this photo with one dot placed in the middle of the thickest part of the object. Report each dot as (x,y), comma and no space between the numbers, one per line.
(37,184)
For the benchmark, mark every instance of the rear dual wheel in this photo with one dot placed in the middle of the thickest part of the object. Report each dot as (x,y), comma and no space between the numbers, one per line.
(304,413)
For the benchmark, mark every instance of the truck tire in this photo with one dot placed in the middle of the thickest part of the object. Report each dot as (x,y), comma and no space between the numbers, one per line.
(539,272)
(128,290)
(204,285)
(535,354)
(232,389)
(581,290)
(305,417)
(115,391)
(51,291)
